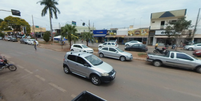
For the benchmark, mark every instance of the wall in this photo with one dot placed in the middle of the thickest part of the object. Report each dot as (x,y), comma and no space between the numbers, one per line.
(157,24)
(122,32)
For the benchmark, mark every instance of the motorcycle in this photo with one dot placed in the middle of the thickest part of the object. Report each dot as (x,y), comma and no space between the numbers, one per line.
(4,64)
(161,51)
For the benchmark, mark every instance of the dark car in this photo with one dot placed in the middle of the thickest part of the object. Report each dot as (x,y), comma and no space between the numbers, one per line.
(197,53)
(23,40)
(13,39)
(137,47)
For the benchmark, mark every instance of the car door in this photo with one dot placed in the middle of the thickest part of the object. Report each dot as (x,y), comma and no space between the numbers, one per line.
(197,47)
(134,47)
(81,67)
(171,60)
(71,62)
(113,53)
(184,61)
(105,51)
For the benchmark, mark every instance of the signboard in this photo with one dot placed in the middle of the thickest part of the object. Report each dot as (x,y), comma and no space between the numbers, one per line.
(138,32)
(74,23)
(99,33)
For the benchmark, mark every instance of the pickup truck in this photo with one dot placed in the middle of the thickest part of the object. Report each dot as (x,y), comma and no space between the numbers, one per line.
(175,59)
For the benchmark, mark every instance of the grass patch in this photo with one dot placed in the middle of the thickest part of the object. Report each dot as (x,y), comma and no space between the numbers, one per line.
(142,54)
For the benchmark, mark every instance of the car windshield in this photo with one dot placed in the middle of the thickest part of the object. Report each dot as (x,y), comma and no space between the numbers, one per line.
(84,46)
(13,38)
(94,60)
(119,50)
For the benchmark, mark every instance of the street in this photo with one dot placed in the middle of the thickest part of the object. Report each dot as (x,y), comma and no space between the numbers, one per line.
(40,77)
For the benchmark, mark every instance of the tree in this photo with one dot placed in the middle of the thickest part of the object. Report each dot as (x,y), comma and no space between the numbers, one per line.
(176,29)
(15,24)
(46,36)
(87,36)
(1,20)
(69,32)
(50,5)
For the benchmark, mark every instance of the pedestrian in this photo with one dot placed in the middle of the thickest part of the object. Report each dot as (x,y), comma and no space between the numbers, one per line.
(35,45)
(181,44)
(156,45)
(82,40)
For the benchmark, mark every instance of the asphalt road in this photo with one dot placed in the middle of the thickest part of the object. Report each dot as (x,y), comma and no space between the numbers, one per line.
(40,77)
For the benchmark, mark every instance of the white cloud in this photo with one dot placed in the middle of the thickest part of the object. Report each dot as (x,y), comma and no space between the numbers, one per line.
(103,13)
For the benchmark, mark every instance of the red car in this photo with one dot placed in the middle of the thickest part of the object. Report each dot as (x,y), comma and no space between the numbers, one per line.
(197,53)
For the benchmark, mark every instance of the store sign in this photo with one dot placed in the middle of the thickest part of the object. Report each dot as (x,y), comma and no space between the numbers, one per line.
(138,32)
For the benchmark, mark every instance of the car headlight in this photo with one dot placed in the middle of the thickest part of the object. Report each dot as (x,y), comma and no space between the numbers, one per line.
(105,74)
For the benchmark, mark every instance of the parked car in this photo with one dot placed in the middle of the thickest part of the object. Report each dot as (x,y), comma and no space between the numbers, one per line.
(115,53)
(109,44)
(130,43)
(23,40)
(193,47)
(175,59)
(81,48)
(197,53)
(13,39)
(88,66)
(1,38)
(9,38)
(31,41)
(137,47)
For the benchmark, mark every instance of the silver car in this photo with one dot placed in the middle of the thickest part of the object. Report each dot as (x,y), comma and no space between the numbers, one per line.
(88,66)
(130,43)
(193,47)
(116,53)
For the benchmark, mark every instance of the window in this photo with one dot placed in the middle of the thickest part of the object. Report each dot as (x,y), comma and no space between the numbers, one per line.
(199,45)
(162,22)
(112,50)
(135,45)
(79,46)
(153,21)
(72,57)
(81,60)
(109,43)
(172,55)
(183,56)
(105,44)
(94,60)
(105,48)
(113,44)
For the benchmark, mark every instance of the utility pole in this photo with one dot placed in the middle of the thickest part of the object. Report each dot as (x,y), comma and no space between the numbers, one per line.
(89,26)
(195,25)
(33,27)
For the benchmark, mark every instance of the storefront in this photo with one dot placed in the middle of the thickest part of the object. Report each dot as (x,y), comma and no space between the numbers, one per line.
(99,35)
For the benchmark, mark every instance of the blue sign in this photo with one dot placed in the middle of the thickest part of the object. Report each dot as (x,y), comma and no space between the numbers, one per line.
(74,23)
(99,33)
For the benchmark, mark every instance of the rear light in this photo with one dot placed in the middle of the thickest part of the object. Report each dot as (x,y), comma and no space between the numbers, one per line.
(147,57)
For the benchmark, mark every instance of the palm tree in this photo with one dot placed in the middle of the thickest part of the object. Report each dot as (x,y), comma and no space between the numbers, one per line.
(87,36)
(50,5)
(69,32)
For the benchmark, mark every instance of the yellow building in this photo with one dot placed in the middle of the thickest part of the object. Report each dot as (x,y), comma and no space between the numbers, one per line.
(38,29)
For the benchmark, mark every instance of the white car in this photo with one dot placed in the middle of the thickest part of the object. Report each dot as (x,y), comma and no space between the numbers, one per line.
(130,43)
(31,41)
(109,44)
(81,48)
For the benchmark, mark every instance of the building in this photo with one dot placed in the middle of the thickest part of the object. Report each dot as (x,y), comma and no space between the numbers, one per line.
(38,31)
(158,24)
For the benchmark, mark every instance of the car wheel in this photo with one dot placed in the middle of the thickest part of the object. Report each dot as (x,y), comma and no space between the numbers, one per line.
(190,49)
(101,55)
(198,69)
(157,63)
(100,46)
(95,80)
(122,58)
(66,70)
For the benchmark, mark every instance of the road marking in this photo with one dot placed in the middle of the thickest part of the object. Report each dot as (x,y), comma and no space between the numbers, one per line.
(57,87)
(73,96)
(195,95)
(40,77)
(28,71)
(20,66)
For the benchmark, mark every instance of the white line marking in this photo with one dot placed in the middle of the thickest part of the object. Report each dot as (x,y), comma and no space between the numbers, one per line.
(40,77)
(195,95)
(57,87)
(28,71)
(20,66)
(73,96)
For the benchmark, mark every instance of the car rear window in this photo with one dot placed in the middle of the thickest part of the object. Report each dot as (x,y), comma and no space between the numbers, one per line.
(72,57)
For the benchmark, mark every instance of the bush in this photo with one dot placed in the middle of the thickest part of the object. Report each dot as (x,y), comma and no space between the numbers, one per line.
(2,35)
(46,36)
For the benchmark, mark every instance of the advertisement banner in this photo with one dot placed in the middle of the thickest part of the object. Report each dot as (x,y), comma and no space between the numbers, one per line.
(139,32)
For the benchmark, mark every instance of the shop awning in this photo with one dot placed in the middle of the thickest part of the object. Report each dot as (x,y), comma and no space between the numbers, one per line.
(136,36)
(115,36)
(197,36)
(164,36)
(99,35)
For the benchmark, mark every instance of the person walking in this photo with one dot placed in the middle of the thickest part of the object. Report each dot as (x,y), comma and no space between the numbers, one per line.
(35,45)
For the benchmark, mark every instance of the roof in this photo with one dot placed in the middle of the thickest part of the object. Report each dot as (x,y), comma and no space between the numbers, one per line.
(78,44)
(81,54)
(165,14)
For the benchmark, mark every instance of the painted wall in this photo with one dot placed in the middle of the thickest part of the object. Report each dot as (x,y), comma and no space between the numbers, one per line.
(156,24)
(122,32)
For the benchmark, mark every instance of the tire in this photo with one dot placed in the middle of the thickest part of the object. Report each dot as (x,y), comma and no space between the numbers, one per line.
(157,63)
(12,68)
(198,69)
(100,46)
(155,51)
(122,58)
(101,55)
(190,49)
(67,70)
(95,80)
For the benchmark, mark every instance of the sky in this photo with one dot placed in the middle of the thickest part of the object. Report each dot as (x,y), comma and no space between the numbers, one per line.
(102,14)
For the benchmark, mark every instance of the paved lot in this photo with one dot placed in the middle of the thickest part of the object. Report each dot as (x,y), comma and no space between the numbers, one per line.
(40,77)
